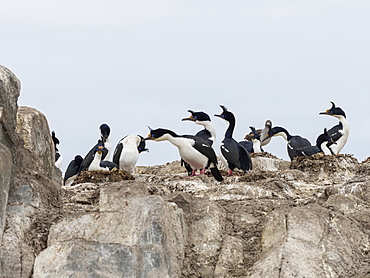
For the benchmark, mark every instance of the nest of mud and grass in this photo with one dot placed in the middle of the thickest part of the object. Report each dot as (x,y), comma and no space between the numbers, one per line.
(103,176)
(320,162)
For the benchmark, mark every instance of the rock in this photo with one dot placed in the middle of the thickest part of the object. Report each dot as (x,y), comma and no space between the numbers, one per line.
(139,236)
(206,228)
(231,257)
(34,130)
(29,189)
(310,242)
(10,88)
(6,170)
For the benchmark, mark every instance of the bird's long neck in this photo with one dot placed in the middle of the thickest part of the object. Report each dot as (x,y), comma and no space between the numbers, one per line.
(209,126)
(285,134)
(344,123)
(95,164)
(256,145)
(324,148)
(108,146)
(230,129)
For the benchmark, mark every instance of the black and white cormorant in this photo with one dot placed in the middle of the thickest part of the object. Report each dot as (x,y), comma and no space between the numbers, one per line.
(72,168)
(104,137)
(58,157)
(263,133)
(252,142)
(192,149)
(340,132)
(201,118)
(295,142)
(233,154)
(98,164)
(323,142)
(208,133)
(127,152)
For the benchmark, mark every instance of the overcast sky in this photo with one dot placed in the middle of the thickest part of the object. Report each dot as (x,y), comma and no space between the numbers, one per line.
(131,64)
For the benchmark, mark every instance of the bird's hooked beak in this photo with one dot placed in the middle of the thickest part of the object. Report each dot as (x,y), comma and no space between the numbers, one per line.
(327,112)
(100,149)
(220,116)
(267,137)
(149,135)
(143,150)
(248,137)
(191,118)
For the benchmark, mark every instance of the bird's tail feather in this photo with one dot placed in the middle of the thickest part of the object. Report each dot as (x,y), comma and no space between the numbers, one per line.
(216,174)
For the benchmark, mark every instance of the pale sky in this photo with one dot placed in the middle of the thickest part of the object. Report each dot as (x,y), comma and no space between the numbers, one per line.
(131,64)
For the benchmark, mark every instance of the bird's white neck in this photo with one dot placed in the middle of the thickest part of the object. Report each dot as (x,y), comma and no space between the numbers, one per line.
(345,123)
(108,146)
(282,134)
(208,126)
(256,145)
(95,164)
(325,148)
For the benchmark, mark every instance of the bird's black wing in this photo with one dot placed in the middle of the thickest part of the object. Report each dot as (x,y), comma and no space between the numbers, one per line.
(296,143)
(248,145)
(245,159)
(117,152)
(205,134)
(336,132)
(230,150)
(109,164)
(72,170)
(87,159)
(307,151)
(203,147)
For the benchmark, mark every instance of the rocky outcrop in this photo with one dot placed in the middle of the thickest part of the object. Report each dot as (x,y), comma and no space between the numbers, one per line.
(29,186)
(140,236)
(305,218)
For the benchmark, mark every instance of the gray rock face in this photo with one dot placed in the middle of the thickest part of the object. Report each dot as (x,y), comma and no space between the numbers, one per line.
(33,127)
(29,197)
(304,242)
(140,236)
(9,93)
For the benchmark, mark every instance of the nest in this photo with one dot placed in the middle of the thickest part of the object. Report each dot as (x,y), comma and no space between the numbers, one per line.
(319,161)
(263,154)
(103,176)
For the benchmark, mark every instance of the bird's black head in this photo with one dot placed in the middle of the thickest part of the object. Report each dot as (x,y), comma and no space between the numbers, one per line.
(55,140)
(141,148)
(226,115)
(334,111)
(105,131)
(274,131)
(197,116)
(324,137)
(252,135)
(100,146)
(78,160)
(156,134)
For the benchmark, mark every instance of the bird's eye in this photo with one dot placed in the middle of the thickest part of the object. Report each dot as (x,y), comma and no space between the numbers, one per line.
(255,135)
(195,117)
(223,116)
